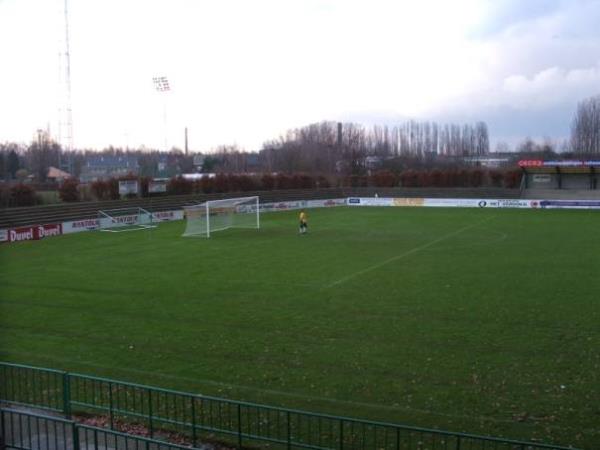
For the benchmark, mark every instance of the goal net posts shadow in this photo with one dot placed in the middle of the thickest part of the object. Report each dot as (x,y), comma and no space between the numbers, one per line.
(216,215)
(125,219)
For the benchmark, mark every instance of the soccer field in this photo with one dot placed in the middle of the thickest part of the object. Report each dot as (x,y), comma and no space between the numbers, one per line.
(477,320)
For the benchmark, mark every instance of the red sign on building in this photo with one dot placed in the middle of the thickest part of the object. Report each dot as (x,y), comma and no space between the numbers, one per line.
(531,163)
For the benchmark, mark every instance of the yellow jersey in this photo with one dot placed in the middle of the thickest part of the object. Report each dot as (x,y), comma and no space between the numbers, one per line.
(302,216)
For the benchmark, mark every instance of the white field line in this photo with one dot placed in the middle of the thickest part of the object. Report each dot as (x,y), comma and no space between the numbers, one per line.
(501,237)
(405,254)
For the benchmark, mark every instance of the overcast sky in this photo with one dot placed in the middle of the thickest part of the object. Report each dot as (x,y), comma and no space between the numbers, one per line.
(244,71)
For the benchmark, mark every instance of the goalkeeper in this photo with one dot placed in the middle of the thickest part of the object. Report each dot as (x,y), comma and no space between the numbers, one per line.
(303,222)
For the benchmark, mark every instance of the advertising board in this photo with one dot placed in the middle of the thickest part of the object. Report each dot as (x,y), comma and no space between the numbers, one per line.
(167,216)
(457,202)
(128,187)
(370,201)
(299,204)
(45,231)
(515,203)
(157,186)
(282,206)
(34,232)
(570,204)
(22,234)
(542,178)
(408,201)
(3,236)
(77,226)
(558,163)
(325,203)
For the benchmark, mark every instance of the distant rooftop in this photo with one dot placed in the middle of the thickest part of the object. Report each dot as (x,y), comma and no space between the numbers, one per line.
(105,161)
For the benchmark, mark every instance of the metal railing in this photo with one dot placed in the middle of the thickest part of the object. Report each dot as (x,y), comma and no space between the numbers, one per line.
(234,422)
(21,430)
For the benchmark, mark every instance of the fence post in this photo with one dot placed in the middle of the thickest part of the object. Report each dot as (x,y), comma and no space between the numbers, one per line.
(239,414)
(66,395)
(193,421)
(75,436)
(458,442)
(150,425)
(341,434)
(2,431)
(289,431)
(110,405)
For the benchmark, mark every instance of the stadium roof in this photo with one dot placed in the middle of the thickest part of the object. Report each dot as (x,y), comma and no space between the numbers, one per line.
(562,166)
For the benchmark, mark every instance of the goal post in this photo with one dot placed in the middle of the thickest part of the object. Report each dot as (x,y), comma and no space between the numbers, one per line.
(125,219)
(216,215)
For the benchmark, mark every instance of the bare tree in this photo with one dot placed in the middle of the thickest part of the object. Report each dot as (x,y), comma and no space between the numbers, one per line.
(502,147)
(585,130)
(482,139)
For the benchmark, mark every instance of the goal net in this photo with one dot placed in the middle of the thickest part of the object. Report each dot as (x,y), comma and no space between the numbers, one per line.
(125,219)
(215,215)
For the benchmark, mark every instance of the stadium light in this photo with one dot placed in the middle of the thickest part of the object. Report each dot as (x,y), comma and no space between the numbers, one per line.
(161,84)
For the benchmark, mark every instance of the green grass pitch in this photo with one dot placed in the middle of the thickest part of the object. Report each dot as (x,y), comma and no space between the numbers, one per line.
(484,321)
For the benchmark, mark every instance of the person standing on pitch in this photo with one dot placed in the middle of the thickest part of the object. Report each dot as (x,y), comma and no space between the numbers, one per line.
(303,222)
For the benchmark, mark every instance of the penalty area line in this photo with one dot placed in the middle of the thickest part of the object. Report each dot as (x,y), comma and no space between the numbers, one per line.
(405,254)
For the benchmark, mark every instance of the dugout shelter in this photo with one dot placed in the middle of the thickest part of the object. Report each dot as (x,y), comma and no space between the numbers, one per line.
(561,174)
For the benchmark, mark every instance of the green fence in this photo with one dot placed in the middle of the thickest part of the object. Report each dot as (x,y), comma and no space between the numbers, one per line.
(27,431)
(237,423)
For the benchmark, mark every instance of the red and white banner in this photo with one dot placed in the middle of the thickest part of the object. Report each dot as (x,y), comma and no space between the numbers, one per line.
(49,230)
(22,234)
(559,163)
(34,233)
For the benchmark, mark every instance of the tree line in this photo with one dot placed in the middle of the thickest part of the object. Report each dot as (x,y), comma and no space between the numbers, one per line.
(351,148)
(585,129)
(72,191)
(322,148)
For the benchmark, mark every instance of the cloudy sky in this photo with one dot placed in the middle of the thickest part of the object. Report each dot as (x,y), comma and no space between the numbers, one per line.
(244,71)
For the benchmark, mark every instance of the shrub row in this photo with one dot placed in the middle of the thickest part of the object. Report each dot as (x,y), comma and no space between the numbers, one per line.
(438,178)
(71,191)
(18,195)
(242,183)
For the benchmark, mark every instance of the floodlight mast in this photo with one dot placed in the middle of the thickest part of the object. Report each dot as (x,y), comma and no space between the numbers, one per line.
(65,113)
(161,84)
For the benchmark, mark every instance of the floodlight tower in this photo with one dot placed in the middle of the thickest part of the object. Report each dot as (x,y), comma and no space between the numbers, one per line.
(161,84)
(65,112)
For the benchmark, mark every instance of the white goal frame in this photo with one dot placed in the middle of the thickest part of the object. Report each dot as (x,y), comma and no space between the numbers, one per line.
(131,219)
(233,206)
